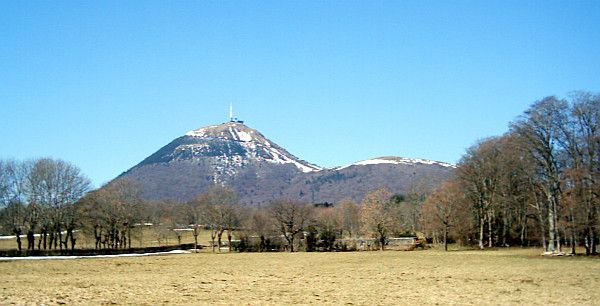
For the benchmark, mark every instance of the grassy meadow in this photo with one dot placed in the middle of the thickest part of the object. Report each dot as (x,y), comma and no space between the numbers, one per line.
(504,276)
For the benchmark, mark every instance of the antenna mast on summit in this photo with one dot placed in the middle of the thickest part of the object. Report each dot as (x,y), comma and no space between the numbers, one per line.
(231,119)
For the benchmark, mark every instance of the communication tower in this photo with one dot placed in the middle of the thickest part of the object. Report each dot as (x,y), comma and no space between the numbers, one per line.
(231,119)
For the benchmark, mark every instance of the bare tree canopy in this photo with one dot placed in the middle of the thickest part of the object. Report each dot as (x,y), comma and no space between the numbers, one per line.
(219,209)
(111,212)
(378,215)
(291,217)
(40,195)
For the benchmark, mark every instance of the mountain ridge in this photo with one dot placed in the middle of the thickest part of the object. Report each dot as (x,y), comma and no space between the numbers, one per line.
(234,154)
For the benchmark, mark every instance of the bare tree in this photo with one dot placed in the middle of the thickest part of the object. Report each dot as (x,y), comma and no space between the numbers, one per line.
(261,223)
(219,209)
(579,137)
(112,211)
(349,212)
(443,208)
(56,185)
(415,195)
(291,217)
(195,220)
(539,129)
(13,196)
(479,174)
(515,190)
(378,215)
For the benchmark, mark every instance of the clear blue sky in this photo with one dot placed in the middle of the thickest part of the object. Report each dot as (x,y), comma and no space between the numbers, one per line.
(104,84)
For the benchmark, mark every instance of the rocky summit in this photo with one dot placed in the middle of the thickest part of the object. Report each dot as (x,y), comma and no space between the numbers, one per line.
(236,155)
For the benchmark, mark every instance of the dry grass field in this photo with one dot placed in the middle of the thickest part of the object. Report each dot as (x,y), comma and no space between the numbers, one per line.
(512,276)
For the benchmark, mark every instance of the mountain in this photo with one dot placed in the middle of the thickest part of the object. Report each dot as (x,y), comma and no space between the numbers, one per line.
(236,155)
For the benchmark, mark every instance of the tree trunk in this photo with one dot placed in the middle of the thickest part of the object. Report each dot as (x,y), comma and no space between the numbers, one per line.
(51,240)
(290,240)
(544,241)
(587,241)
(123,239)
(17,232)
(490,238)
(551,224)
(129,236)
(98,236)
(70,238)
(195,233)
(594,243)
(445,237)
(504,233)
(382,236)
(73,242)
(481,232)
(558,238)
(543,230)
(30,240)
(60,241)
(219,236)
(213,235)
(45,234)
(573,242)
(229,239)
(115,238)
(65,242)
(523,229)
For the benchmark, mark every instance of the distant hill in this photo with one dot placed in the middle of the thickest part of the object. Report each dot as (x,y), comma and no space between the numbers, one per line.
(236,155)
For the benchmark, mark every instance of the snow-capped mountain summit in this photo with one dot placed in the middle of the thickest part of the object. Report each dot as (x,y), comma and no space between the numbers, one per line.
(236,155)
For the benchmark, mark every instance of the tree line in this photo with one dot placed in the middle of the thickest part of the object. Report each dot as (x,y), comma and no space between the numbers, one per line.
(537,184)
(49,200)
(282,223)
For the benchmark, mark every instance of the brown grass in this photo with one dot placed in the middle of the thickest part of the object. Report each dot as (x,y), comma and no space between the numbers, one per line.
(424,277)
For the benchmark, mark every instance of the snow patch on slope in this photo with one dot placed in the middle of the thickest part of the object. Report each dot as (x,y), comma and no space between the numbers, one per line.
(244,136)
(281,158)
